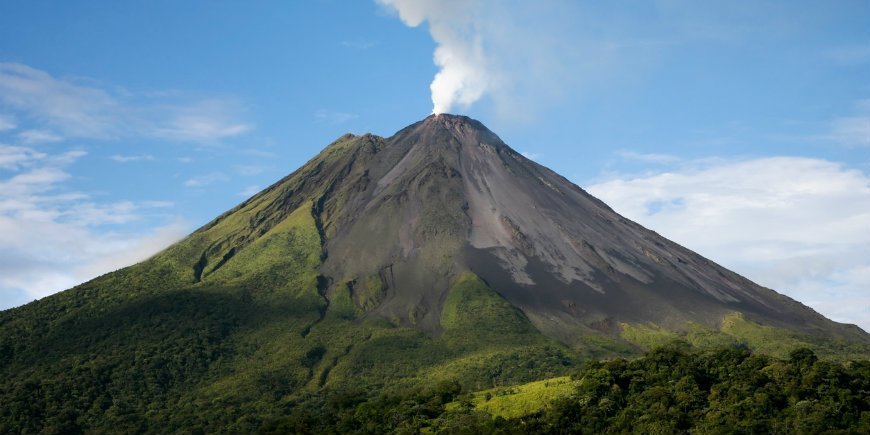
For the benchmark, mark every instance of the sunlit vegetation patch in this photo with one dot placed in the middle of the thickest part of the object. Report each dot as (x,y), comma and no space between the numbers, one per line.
(520,400)
(737,330)
(668,390)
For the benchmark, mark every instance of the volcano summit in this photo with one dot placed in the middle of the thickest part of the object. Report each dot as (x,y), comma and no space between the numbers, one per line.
(438,253)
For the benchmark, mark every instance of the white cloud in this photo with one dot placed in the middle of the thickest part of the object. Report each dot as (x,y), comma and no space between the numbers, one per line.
(52,238)
(648,157)
(250,191)
(853,131)
(334,117)
(7,123)
(800,226)
(76,110)
(72,109)
(205,121)
(131,158)
(54,256)
(116,252)
(205,180)
(257,153)
(530,155)
(29,137)
(248,170)
(15,157)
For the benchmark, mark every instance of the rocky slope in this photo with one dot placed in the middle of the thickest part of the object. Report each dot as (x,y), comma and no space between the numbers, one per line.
(401,217)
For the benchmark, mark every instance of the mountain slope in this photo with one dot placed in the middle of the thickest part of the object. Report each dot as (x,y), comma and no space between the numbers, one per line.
(383,263)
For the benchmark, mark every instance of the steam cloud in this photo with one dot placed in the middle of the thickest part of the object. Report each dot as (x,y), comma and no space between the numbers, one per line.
(465,74)
(513,52)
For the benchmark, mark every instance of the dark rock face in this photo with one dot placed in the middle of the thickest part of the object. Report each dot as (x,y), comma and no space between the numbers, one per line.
(446,195)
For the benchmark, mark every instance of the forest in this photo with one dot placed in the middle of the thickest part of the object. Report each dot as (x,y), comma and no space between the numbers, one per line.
(671,389)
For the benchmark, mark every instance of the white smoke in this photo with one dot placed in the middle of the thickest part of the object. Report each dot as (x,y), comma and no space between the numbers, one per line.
(520,55)
(465,74)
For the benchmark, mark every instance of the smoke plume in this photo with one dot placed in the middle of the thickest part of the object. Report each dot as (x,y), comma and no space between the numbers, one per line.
(524,57)
(465,73)
(521,56)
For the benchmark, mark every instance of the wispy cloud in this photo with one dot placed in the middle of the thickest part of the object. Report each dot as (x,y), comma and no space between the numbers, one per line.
(15,157)
(248,170)
(250,191)
(75,109)
(530,155)
(205,121)
(852,131)
(253,152)
(648,157)
(798,225)
(131,158)
(205,180)
(52,238)
(72,109)
(334,117)
(7,123)
(29,137)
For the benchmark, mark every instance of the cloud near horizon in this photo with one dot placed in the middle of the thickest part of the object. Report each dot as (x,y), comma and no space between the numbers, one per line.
(52,238)
(66,108)
(798,225)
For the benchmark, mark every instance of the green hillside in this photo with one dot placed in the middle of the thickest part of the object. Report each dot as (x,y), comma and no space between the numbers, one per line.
(362,294)
(673,390)
(736,330)
(154,348)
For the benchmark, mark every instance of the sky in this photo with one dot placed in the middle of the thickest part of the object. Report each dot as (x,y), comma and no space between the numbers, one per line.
(740,129)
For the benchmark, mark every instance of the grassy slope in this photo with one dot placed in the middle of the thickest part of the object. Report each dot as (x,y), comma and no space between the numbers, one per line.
(150,347)
(147,346)
(736,329)
(519,400)
(526,399)
(234,325)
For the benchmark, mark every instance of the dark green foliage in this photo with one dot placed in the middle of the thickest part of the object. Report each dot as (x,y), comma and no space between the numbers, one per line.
(340,300)
(672,390)
(229,357)
(669,390)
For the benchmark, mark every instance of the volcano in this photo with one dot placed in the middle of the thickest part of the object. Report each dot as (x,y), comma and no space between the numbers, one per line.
(446,196)
(436,253)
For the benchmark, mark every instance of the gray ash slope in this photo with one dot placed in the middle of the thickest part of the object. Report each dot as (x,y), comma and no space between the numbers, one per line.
(445,195)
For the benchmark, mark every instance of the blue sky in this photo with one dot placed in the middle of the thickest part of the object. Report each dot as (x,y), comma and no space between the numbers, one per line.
(740,129)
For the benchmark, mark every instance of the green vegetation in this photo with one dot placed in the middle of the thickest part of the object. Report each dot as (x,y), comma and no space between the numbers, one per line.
(736,329)
(370,292)
(731,390)
(471,306)
(669,390)
(262,342)
(648,336)
(151,349)
(237,329)
(519,400)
